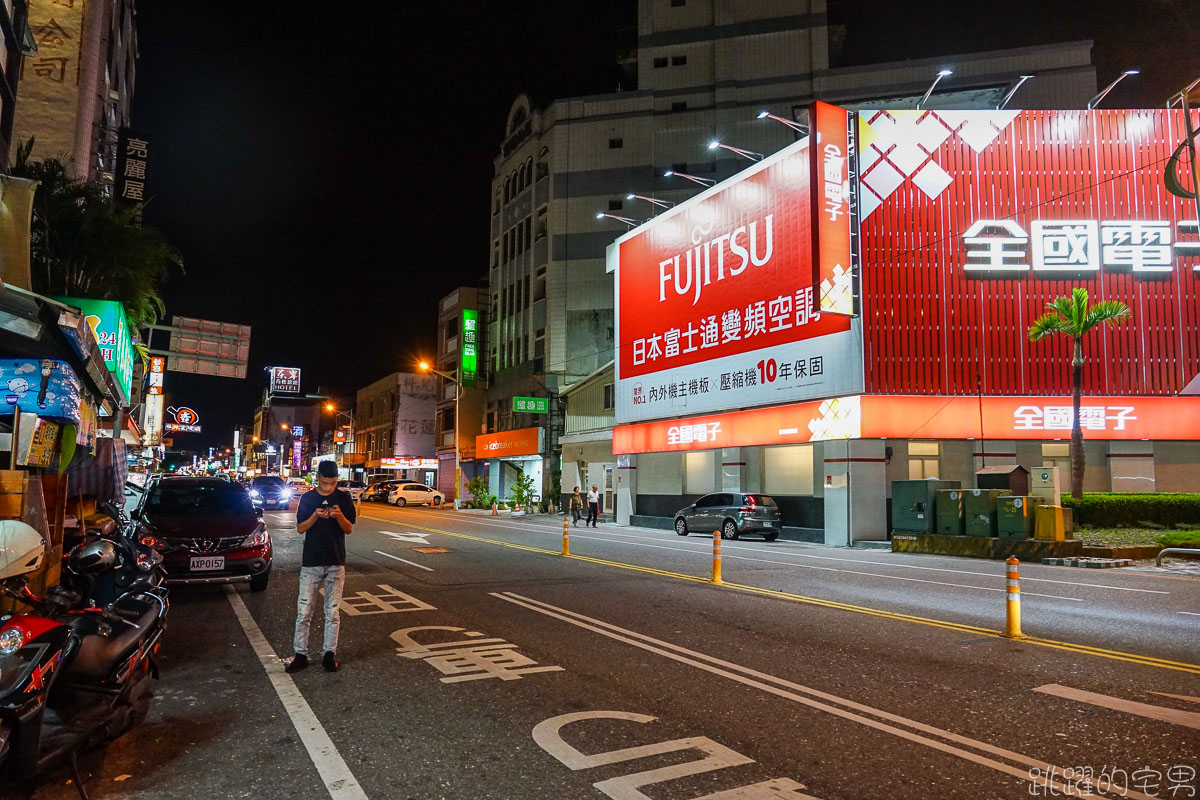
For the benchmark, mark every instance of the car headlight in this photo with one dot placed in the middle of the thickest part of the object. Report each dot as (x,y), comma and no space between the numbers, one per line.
(257,539)
(255,493)
(285,492)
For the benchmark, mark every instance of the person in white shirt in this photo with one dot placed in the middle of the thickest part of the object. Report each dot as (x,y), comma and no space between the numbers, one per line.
(593,501)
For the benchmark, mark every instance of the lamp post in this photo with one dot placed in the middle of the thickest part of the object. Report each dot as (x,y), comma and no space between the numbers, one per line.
(747,154)
(350,416)
(1095,101)
(942,73)
(457,452)
(702,181)
(633,223)
(791,123)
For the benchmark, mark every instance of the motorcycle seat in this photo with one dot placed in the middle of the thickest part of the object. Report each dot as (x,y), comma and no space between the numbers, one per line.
(97,655)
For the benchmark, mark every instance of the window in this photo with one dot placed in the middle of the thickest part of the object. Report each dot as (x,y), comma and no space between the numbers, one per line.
(616,205)
(924,460)
(678,61)
(660,62)
(616,144)
(679,105)
(608,397)
(788,470)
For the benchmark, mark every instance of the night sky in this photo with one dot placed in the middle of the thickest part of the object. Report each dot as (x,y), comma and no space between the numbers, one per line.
(326,177)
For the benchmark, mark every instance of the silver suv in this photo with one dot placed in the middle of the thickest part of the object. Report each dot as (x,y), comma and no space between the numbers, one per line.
(732,513)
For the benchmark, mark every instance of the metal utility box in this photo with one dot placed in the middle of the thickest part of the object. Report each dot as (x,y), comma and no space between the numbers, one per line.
(1049,524)
(979,511)
(1044,483)
(1015,516)
(949,514)
(1012,477)
(913,504)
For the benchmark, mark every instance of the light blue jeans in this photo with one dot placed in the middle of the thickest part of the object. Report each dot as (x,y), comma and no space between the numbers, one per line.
(312,579)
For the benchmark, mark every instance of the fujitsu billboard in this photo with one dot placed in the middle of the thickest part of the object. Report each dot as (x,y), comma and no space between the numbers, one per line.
(715,299)
(972,221)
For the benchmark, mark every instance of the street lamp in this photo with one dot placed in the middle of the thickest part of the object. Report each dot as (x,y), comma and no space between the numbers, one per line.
(348,415)
(425,366)
(1095,101)
(1013,90)
(747,154)
(601,215)
(791,123)
(692,178)
(942,73)
(651,200)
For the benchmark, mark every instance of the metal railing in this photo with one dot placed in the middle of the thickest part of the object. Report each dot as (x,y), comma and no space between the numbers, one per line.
(1165,550)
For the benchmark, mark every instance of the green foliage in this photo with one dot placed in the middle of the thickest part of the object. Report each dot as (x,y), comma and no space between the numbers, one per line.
(82,245)
(478,488)
(1135,509)
(1074,317)
(522,491)
(1179,539)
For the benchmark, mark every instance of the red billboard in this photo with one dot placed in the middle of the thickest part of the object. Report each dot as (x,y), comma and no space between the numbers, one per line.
(971,221)
(715,304)
(830,162)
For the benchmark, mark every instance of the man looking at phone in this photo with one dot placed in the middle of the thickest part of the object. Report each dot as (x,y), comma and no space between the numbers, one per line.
(325,517)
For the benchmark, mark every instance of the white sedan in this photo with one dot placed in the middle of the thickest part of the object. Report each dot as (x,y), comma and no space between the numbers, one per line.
(415,494)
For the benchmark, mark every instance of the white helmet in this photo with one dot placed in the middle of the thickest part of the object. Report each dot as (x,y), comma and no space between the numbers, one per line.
(22,548)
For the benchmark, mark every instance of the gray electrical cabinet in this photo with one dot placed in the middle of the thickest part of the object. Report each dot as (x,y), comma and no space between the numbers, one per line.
(913,504)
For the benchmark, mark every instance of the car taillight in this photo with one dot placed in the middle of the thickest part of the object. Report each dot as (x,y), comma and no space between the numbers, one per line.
(746,510)
(777,511)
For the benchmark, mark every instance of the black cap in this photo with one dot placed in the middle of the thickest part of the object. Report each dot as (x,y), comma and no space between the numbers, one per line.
(327,469)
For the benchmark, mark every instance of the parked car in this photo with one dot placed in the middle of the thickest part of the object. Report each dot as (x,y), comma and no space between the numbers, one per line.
(209,531)
(355,488)
(269,491)
(732,513)
(378,492)
(414,494)
(299,487)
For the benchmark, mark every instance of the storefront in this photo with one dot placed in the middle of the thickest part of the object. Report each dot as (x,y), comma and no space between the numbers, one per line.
(417,470)
(508,455)
(781,333)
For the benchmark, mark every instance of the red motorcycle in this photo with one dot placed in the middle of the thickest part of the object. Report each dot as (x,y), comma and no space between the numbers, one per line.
(75,671)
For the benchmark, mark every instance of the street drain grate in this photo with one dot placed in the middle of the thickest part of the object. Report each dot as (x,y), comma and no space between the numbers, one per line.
(432,549)
(1089,561)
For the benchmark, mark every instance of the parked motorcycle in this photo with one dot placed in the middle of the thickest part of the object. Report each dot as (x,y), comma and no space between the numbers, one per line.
(75,671)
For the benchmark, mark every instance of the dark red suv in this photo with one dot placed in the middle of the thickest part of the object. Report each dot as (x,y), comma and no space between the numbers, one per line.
(209,531)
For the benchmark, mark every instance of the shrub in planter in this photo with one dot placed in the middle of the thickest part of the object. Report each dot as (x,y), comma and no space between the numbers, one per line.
(1180,539)
(1135,509)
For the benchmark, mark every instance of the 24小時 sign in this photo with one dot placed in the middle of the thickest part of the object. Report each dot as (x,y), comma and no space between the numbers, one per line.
(531,405)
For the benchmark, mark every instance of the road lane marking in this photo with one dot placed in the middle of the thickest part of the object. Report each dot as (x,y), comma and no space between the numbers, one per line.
(1190,613)
(405,560)
(407,537)
(1186,697)
(961,627)
(1188,719)
(703,549)
(816,699)
(339,781)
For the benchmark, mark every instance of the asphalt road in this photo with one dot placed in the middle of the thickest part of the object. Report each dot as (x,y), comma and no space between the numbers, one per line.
(622,673)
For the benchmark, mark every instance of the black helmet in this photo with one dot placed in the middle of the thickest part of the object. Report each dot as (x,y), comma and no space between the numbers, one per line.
(93,558)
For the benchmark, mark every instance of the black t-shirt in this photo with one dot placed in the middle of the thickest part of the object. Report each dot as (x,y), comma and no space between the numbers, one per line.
(324,542)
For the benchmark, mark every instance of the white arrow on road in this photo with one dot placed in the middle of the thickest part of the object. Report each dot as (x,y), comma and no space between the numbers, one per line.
(407,537)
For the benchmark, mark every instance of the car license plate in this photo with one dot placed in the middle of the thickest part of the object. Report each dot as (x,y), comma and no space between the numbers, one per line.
(207,563)
(771,523)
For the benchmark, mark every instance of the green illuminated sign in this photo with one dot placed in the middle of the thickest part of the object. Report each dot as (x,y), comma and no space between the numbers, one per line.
(110,326)
(470,346)
(531,405)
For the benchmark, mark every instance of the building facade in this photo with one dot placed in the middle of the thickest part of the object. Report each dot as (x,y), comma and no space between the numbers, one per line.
(962,226)
(77,89)
(394,427)
(461,353)
(703,71)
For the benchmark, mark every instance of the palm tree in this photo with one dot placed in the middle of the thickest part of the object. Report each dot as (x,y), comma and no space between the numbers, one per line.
(83,245)
(1074,317)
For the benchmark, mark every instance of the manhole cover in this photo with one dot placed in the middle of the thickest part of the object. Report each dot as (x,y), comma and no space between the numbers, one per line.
(431,549)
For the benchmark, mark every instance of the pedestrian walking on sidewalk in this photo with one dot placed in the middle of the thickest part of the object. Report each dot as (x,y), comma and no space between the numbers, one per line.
(576,507)
(325,517)
(593,501)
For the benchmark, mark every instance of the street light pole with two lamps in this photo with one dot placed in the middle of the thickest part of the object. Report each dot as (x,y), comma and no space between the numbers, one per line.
(426,367)
(349,439)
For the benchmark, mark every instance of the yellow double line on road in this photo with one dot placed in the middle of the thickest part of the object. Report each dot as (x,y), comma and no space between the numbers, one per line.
(1083,649)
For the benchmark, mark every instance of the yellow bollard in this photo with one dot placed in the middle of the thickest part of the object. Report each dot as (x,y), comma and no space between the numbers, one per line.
(566,547)
(1012,621)
(716,570)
